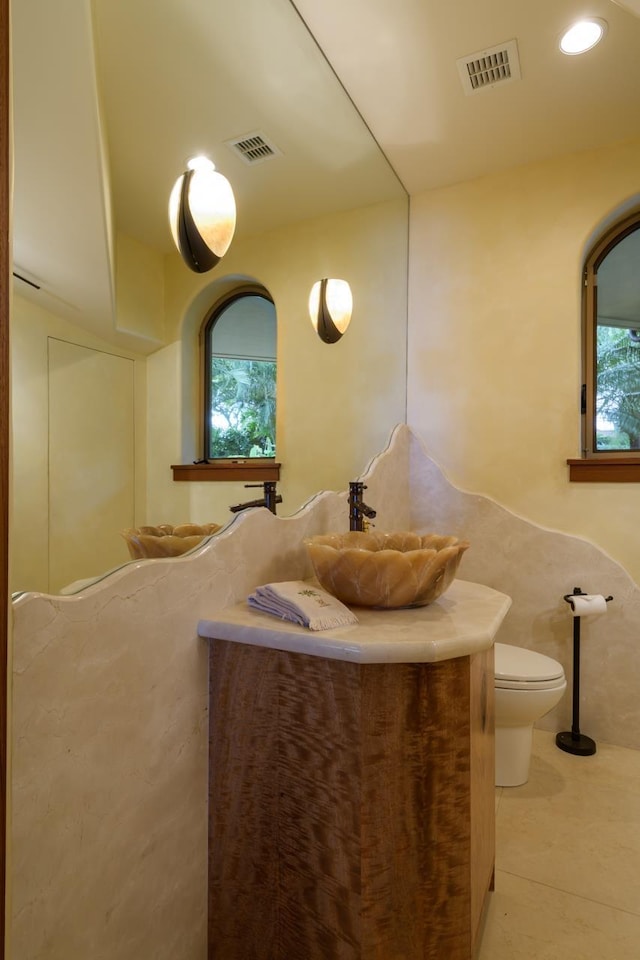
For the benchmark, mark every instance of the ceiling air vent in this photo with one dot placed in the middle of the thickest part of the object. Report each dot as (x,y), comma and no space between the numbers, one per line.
(254,148)
(489,67)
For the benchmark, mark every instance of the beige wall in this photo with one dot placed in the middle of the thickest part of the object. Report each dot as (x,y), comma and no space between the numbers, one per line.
(537,567)
(494,337)
(31,328)
(336,403)
(140,292)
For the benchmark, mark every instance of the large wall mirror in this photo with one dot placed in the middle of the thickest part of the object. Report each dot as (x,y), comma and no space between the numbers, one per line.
(110,99)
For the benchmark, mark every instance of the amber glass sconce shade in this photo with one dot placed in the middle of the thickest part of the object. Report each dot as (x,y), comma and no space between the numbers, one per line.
(330,308)
(202,215)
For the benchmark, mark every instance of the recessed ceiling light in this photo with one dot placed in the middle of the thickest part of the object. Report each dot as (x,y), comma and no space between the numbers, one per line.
(582,36)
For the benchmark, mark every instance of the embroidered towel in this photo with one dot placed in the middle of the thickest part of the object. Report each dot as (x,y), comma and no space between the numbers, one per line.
(301,603)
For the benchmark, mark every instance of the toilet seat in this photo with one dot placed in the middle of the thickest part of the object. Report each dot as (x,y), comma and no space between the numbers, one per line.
(519,669)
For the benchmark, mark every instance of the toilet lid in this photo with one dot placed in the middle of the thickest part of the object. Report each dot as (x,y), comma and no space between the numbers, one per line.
(516,663)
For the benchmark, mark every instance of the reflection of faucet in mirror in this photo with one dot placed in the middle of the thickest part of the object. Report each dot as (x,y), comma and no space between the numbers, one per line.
(359,512)
(269,499)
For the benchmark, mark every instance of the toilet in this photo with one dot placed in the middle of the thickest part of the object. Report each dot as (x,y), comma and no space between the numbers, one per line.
(528,685)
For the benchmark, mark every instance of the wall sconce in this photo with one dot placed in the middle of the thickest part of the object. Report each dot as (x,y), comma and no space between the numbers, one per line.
(330,307)
(202,215)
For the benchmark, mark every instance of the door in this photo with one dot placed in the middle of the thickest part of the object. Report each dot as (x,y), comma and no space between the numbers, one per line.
(91,461)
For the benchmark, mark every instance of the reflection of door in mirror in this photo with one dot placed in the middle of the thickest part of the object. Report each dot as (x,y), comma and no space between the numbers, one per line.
(89,496)
(240,378)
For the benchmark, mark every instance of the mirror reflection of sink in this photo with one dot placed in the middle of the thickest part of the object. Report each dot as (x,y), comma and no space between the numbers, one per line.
(388,570)
(166,540)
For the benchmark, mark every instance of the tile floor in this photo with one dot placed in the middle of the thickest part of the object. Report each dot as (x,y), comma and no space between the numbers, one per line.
(568,859)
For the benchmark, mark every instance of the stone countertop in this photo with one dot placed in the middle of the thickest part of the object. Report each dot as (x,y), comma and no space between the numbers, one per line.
(463,621)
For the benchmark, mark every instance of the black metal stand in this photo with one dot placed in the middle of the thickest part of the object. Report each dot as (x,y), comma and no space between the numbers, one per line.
(573,741)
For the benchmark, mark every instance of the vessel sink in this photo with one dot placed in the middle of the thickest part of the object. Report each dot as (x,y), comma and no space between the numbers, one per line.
(165,540)
(387,570)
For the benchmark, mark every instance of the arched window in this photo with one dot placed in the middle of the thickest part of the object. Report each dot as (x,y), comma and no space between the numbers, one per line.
(240,377)
(611,391)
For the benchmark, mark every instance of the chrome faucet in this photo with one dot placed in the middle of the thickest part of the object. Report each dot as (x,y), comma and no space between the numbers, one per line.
(359,512)
(269,499)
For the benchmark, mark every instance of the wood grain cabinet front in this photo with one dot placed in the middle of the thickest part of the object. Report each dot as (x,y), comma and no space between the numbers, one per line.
(351,806)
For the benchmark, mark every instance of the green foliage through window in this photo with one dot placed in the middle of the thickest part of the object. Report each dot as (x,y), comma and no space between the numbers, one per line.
(243,408)
(611,343)
(618,389)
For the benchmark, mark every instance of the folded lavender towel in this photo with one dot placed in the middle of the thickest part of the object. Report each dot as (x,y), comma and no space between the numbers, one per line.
(301,603)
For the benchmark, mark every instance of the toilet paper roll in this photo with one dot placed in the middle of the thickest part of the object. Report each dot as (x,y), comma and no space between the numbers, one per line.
(588,605)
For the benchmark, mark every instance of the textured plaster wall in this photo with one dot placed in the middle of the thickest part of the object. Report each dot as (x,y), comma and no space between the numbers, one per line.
(494,337)
(140,291)
(536,567)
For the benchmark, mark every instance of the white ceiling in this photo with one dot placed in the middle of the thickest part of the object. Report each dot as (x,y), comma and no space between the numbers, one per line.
(405,81)
(100,139)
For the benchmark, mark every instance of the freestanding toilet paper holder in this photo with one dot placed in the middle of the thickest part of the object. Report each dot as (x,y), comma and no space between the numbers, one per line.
(572,741)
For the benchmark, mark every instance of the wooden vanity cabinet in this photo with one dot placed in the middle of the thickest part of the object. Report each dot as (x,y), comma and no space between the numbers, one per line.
(351,806)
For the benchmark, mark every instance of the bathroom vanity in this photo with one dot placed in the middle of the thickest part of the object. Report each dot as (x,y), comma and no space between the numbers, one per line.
(352,782)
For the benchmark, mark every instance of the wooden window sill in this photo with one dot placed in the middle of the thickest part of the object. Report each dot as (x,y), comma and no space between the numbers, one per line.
(605,470)
(254,468)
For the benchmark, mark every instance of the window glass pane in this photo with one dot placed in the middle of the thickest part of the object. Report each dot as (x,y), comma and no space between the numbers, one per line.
(618,389)
(243,407)
(247,329)
(242,380)
(617,406)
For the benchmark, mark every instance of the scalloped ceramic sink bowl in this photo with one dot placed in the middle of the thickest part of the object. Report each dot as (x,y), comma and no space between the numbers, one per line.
(166,540)
(388,570)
